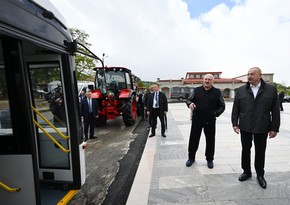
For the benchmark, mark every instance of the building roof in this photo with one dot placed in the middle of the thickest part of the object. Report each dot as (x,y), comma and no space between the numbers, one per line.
(203,73)
(199,80)
(216,80)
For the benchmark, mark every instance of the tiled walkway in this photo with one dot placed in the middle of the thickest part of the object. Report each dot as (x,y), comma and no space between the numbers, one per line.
(163,178)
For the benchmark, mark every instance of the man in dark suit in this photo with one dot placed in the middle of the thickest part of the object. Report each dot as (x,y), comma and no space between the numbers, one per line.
(89,112)
(140,105)
(281,99)
(146,101)
(157,107)
(256,116)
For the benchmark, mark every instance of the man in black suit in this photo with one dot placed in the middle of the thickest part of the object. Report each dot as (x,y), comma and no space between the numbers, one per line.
(89,112)
(140,105)
(256,115)
(281,99)
(157,107)
(146,101)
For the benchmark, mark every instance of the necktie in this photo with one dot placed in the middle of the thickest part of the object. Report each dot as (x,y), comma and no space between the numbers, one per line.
(156,99)
(90,106)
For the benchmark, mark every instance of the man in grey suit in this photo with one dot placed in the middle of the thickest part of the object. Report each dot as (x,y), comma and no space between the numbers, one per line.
(256,115)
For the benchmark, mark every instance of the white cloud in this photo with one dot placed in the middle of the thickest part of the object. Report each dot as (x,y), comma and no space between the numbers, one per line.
(158,38)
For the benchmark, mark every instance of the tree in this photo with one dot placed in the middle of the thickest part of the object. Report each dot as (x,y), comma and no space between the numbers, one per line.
(84,64)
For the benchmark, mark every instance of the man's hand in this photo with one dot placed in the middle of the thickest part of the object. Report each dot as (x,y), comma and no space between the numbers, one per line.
(236,129)
(272,134)
(192,106)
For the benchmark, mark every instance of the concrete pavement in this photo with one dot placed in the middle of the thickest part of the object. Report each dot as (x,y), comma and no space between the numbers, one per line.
(163,178)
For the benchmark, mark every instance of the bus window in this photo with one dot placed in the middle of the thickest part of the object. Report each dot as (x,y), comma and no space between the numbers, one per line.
(47,76)
(5,116)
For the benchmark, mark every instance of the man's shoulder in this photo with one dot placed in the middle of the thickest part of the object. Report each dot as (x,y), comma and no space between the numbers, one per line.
(242,87)
(269,85)
(198,88)
(216,89)
(162,93)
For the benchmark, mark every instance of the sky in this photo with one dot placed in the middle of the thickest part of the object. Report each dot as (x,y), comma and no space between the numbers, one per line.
(167,38)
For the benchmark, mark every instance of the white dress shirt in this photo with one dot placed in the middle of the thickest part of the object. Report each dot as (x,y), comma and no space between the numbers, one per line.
(255,89)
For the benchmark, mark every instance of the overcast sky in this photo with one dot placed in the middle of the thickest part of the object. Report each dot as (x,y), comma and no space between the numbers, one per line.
(167,38)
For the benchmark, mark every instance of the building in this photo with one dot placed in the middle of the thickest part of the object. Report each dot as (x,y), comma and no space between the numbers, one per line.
(194,79)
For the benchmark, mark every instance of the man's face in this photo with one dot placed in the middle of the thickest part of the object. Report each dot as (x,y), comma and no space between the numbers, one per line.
(207,82)
(89,95)
(156,88)
(254,76)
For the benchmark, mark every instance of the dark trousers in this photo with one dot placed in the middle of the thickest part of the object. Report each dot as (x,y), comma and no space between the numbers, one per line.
(195,133)
(89,123)
(260,141)
(281,105)
(156,113)
(149,117)
(142,111)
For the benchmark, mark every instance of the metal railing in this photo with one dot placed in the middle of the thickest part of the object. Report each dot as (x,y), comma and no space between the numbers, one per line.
(47,134)
(9,189)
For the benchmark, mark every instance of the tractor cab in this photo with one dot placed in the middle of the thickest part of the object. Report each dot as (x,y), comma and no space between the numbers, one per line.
(115,93)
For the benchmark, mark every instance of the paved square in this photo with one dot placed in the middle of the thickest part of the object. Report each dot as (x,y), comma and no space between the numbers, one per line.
(163,178)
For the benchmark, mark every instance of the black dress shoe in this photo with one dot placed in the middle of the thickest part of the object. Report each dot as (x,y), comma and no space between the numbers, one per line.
(93,137)
(189,162)
(163,135)
(151,135)
(262,182)
(210,164)
(85,139)
(244,177)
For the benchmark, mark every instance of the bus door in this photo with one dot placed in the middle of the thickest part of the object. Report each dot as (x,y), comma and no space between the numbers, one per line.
(40,132)
(55,109)
(18,160)
(49,106)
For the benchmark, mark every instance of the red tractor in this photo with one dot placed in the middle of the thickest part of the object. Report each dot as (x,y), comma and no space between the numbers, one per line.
(116,94)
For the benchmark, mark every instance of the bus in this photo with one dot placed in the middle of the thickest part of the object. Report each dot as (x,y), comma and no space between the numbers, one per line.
(42,153)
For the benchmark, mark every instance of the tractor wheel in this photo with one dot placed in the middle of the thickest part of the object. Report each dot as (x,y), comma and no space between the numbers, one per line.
(129,111)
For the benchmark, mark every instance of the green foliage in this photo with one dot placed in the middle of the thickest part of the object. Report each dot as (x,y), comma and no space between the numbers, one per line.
(45,75)
(84,64)
(146,84)
(141,84)
(282,87)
